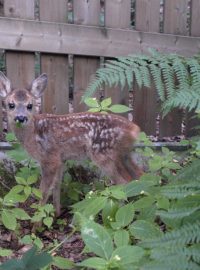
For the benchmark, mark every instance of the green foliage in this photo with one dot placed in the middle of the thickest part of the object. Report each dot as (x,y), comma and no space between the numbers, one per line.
(31,260)
(159,214)
(176,78)
(44,214)
(105,106)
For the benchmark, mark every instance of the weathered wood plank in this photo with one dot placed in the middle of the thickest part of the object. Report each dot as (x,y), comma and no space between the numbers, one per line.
(56,97)
(195,18)
(20,65)
(23,35)
(118,15)
(86,12)
(194,31)
(145,99)
(147,15)
(19,9)
(175,22)
(175,17)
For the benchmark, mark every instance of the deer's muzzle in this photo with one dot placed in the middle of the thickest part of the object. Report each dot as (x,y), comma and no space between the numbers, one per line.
(21,119)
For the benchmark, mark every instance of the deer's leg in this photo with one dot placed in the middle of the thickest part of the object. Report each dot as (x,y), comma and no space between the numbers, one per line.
(50,183)
(135,171)
(113,168)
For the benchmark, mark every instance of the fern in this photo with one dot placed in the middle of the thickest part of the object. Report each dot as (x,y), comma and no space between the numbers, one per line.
(176,78)
(187,235)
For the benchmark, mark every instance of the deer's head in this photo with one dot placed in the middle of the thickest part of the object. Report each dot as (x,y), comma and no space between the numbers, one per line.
(20,103)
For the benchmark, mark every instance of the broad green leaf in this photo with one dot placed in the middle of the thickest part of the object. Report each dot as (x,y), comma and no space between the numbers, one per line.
(153,178)
(37,193)
(91,206)
(27,240)
(8,219)
(94,109)
(97,239)
(14,196)
(135,188)
(48,221)
(142,229)
(94,263)
(118,108)
(5,252)
(109,211)
(48,207)
(125,214)
(121,238)
(32,179)
(106,102)
(63,263)
(127,254)
(20,214)
(163,203)
(20,180)
(27,191)
(91,102)
(38,243)
(116,192)
(36,261)
(144,202)
(148,213)
(13,264)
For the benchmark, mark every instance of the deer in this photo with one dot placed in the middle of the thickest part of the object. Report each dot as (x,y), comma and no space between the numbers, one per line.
(106,139)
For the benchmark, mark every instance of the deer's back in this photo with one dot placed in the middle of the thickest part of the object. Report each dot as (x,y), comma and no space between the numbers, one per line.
(80,134)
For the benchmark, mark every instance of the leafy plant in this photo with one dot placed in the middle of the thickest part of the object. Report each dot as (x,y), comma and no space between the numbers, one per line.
(31,260)
(105,106)
(176,78)
(44,214)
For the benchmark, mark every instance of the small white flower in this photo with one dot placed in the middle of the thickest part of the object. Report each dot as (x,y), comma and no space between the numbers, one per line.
(117,258)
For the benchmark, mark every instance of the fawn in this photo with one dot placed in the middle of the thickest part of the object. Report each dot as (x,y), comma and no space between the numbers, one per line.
(106,139)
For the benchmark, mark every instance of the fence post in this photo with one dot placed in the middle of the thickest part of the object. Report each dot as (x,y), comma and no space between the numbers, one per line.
(56,97)
(145,99)
(118,15)
(86,12)
(175,22)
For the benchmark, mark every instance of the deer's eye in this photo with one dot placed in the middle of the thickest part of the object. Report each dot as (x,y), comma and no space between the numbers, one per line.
(29,107)
(11,106)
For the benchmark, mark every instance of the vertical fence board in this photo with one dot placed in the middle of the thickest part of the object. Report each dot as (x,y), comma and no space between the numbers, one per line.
(86,12)
(145,99)
(20,66)
(175,22)
(195,32)
(118,15)
(56,96)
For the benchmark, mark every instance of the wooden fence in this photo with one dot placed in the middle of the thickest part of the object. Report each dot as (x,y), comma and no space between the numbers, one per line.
(55,36)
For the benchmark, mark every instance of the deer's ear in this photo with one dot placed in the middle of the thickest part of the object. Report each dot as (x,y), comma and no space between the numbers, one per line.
(38,85)
(5,85)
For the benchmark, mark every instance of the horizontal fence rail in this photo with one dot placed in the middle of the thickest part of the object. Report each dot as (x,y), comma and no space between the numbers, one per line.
(25,35)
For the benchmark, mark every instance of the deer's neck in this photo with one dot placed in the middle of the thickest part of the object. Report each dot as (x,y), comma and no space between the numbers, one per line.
(24,133)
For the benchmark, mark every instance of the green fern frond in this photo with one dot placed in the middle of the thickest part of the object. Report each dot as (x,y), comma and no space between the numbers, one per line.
(177,191)
(174,262)
(176,78)
(177,213)
(187,234)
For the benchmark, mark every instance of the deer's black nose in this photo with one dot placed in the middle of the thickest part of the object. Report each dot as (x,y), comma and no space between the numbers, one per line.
(21,119)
